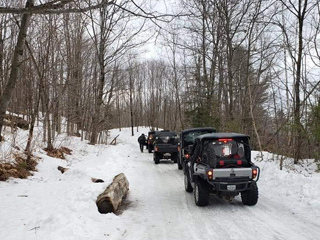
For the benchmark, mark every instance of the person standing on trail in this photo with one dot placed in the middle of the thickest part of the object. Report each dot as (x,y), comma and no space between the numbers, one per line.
(142,141)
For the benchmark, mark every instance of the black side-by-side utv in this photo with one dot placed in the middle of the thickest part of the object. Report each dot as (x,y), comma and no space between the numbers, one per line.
(165,146)
(220,163)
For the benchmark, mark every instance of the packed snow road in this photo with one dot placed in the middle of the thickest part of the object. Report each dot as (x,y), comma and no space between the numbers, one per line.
(165,211)
(53,206)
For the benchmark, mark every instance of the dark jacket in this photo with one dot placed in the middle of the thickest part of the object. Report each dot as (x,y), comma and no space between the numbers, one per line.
(142,139)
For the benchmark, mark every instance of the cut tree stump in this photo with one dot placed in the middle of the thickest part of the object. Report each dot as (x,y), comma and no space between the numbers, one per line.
(110,200)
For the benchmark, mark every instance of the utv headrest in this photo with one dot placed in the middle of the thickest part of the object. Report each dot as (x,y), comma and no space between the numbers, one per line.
(234,147)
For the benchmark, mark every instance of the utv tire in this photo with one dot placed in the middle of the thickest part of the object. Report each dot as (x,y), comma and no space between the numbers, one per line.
(156,158)
(201,193)
(179,165)
(179,161)
(250,196)
(209,156)
(187,184)
(174,157)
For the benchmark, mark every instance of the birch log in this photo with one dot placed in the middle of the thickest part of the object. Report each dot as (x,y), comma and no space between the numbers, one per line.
(111,198)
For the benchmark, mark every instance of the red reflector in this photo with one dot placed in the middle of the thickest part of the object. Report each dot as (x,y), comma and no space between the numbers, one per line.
(221,163)
(239,162)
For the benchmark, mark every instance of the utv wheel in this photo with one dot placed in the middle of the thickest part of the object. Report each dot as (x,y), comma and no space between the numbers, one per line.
(187,184)
(179,161)
(250,196)
(201,193)
(179,165)
(156,158)
(174,157)
(209,156)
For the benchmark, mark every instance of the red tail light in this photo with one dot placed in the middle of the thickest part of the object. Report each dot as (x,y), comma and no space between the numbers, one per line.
(221,163)
(239,162)
(225,140)
(254,173)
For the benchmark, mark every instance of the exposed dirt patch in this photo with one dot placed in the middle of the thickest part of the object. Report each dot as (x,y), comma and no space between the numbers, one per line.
(58,152)
(21,168)
(66,150)
(14,121)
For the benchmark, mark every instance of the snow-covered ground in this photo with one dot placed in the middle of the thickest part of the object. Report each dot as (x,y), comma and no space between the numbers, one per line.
(51,205)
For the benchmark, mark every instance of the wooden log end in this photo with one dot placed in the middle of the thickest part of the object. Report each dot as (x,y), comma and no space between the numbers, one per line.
(105,206)
(62,169)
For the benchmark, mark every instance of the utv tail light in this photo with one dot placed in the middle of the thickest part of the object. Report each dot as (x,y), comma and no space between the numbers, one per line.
(225,140)
(187,156)
(210,174)
(239,162)
(254,173)
(221,163)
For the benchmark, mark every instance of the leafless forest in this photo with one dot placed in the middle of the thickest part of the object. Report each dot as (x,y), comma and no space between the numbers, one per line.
(247,66)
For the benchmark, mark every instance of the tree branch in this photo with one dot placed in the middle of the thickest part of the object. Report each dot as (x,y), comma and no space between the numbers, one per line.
(54,7)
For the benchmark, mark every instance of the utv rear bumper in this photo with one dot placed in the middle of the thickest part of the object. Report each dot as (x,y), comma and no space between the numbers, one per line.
(227,180)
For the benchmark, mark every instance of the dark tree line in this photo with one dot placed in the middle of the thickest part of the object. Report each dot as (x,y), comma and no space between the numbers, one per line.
(243,66)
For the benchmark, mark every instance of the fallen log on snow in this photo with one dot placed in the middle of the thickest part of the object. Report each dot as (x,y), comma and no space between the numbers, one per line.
(111,198)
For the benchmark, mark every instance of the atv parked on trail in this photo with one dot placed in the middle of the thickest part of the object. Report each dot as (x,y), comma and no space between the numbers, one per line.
(187,138)
(220,163)
(150,141)
(165,146)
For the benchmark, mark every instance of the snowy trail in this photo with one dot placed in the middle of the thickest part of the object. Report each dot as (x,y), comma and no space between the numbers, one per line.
(163,210)
(63,206)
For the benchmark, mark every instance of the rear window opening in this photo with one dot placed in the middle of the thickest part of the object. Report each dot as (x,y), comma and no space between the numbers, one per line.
(228,149)
(166,138)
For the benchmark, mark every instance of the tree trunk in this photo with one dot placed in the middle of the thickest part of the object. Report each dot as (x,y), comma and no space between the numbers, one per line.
(15,66)
(297,122)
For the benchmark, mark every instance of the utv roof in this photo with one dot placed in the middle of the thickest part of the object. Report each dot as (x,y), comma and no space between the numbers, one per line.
(198,129)
(222,135)
(165,132)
